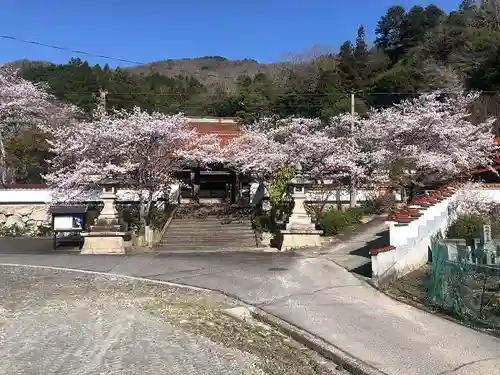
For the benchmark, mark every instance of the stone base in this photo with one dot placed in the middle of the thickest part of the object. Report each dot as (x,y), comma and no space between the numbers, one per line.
(103,243)
(295,239)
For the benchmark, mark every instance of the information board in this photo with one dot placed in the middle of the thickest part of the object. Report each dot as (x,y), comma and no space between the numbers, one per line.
(68,222)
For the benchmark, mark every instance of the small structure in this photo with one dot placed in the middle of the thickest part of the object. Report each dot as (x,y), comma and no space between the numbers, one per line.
(300,231)
(106,236)
(67,219)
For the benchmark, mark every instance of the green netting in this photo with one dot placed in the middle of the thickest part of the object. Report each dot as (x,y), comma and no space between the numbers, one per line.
(466,290)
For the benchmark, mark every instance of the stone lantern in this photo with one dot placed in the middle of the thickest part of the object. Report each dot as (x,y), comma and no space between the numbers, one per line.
(300,231)
(109,214)
(106,236)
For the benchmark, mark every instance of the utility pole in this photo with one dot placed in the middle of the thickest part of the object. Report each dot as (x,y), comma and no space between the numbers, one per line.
(102,101)
(353,192)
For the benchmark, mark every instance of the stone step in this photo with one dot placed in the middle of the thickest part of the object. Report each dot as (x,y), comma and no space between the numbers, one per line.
(208,241)
(211,233)
(210,223)
(203,232)
(237,243)
(201,249)
(209,230)
(209,236)
(221,220)
(207,225)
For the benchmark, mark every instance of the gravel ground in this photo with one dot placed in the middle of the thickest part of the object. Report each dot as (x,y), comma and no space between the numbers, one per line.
(55,322)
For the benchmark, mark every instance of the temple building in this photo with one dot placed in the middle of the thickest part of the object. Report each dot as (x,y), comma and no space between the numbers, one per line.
(217,184)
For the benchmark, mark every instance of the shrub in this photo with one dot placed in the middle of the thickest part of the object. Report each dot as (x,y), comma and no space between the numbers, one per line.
(13,231)
(379,202)
(278,189)
(333,221)
(354,215)
(263,223)
(466,226)
(27,231)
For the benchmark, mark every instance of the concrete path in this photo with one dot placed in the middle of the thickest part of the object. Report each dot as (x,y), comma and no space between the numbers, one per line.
(353,250)
(320,297)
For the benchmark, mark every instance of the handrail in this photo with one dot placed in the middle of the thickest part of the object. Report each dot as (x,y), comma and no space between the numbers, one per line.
(166,225)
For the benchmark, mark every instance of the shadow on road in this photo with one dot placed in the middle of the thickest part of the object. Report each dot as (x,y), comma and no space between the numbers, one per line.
(13,245)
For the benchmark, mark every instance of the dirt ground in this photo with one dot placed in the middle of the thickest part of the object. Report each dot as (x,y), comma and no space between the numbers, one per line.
(70,323)
(413,289)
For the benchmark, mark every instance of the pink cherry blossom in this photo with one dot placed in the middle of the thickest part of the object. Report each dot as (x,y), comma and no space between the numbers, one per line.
(431,136)
(24,104)
(136,149)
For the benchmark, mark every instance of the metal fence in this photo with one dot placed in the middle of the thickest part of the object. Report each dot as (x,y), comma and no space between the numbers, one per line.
(464,289)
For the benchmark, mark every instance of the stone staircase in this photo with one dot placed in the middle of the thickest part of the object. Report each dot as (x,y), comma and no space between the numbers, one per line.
(209,227)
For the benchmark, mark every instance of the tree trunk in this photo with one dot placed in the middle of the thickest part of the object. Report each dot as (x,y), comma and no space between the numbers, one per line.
(338,198)
(353,194)
(3,154)
(404,196)
(148,231)
(413,192)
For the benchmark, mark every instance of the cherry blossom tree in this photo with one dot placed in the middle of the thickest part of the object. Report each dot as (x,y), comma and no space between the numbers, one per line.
(323,152)
(270,144)
(136,149)
(471,200)
(24,104)
(430,138)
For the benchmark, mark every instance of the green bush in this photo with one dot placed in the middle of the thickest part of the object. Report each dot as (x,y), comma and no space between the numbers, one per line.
(354,215)
(333,221)
(263,223)
(467,227)
(379,202)
(13,231)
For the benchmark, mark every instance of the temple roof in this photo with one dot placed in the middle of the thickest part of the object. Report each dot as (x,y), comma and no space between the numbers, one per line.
(225,128)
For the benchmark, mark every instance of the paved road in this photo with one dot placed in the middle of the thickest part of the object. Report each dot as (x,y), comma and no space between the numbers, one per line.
(353,249)
(319,296)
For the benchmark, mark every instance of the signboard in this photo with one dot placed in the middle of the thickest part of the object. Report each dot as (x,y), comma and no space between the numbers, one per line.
(486,233)
(68,222)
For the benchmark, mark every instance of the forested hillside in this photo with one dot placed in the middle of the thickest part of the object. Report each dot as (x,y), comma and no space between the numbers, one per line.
(416,50)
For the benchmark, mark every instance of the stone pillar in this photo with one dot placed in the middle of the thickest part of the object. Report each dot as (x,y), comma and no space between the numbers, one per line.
(300,231)
(106,236)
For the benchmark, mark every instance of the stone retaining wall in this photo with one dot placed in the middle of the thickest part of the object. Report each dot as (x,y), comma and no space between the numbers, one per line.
(27,217)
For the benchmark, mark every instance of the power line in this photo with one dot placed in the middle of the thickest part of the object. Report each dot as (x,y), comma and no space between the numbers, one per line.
(79,52)
(106,57)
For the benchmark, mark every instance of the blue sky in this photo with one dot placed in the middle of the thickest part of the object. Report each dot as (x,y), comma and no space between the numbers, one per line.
(147,30)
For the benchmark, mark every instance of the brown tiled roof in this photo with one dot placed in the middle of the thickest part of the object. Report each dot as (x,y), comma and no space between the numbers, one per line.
(411,211)
(379,250)
(224,130)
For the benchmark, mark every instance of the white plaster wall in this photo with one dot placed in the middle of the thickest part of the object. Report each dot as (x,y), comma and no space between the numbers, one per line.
(24,196)
(312,195)
(412,241)
(362,195)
